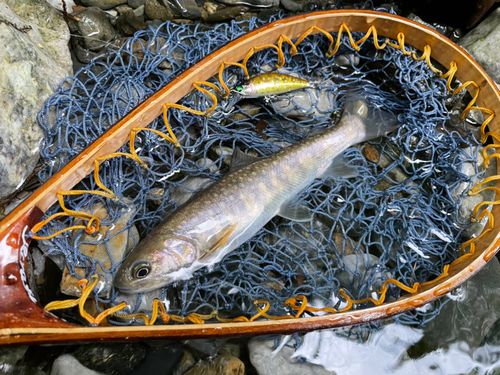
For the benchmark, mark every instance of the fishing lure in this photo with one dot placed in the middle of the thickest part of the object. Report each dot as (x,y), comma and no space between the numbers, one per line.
(272,84)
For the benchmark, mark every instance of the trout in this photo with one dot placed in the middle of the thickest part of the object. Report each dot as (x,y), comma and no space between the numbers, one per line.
(222,217)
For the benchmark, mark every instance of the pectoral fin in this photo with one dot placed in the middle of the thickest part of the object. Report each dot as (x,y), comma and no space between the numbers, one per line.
(212,253)
(296,210)
(340,168)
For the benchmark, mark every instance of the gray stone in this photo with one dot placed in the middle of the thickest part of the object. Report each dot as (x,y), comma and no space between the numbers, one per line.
(95,28)
(268,362)
(184,8)
(483,43)
(294,5)
(84,55)
(66,364)
(254,3)
(185,364)
(136,3)
(205,347)
(227,13)
(221,365)
(9,356)
(32,64)
(58,4)
(139,12)
(156,11)
(472,310)
(128,23)
(111,359)
(103,4)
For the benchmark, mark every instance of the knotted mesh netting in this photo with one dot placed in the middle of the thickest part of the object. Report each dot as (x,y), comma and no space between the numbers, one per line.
(399,218)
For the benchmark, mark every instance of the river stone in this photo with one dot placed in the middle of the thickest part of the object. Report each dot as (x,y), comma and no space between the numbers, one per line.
(184,8)
(58,4)
(69,365)
(160,360)
(111,359)
(187,361)
(267,362)
(156,11)
(128,23)
(119,245)
(103,4)
(9,356)
(227,13)
(95,28)
(221,365)
(136,3)
(483,43)
(32,64)
(473,309)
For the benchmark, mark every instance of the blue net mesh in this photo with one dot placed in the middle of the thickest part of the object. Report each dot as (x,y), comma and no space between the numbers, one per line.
(397,219)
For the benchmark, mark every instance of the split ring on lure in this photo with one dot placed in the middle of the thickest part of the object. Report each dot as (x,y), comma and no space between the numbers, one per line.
(272,84)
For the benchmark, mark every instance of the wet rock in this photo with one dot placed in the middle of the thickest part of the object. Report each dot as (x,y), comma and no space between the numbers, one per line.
(121,240)
(473,309)
(205,347)
(128,23)
(445,30)
(160,360)
(221,365)
(267,362)
(185,364)
(95,28)
(136,3)
(139,12)
(294,5)
(122,9)
(483,44)
(255,3)
(84,55)
(32,65)
(69,365)
(111,359)
(103,4)
(9,356)
(227,13)
(156,11)
(184,8)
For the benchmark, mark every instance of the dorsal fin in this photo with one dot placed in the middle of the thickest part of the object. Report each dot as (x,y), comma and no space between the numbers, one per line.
(240,160)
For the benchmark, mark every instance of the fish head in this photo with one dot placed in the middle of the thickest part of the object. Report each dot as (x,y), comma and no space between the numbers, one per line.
(246,90)
(151,265)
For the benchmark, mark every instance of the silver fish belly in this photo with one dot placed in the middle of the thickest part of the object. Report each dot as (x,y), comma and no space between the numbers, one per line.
(232,210)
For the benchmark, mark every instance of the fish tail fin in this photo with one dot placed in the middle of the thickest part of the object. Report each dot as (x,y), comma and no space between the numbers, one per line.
(376,121)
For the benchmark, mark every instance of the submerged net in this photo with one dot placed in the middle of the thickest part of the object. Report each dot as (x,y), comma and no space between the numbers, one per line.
(399,218)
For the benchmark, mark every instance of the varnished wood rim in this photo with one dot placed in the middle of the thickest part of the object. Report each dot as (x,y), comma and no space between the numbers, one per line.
(443,50)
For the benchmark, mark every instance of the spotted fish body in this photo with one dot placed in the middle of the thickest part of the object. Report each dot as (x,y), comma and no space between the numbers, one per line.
(231,211)
(272,84)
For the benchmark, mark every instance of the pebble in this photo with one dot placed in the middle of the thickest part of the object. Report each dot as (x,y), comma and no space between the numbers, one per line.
(31,68)
(95,28)
(119,245)
(139,11)
(483,44)
(111,359)
(227,14)
(156,11)
(66,364)
(58,4)
(103,4)
(187,361)
(84,55)
(128,23)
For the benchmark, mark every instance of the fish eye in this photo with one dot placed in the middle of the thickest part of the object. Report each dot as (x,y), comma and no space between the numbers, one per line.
(141,270)
(239,88)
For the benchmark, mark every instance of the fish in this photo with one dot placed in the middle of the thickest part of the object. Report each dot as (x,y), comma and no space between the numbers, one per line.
(232,210)
(272,84)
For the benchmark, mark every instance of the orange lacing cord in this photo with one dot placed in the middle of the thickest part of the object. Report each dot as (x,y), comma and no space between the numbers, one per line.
(80,302)
(333,48)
